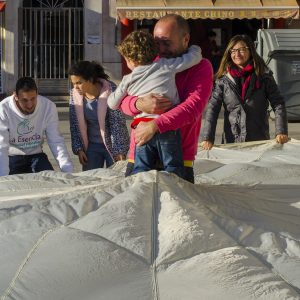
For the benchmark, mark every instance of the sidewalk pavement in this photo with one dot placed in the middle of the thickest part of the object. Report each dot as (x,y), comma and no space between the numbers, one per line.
(63,113)
(64,126)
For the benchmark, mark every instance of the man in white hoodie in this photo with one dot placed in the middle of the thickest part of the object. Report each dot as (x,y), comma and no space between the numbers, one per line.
(26,118)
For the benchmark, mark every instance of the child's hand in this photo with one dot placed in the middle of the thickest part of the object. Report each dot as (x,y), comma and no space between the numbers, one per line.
(119,157)
(282,138)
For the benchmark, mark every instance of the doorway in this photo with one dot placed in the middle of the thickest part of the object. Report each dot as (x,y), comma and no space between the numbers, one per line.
(51,40)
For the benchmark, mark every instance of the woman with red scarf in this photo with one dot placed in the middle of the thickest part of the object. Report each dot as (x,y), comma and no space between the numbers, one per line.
(245,87)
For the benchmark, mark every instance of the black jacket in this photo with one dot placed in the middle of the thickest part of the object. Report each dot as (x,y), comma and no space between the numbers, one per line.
(248,121)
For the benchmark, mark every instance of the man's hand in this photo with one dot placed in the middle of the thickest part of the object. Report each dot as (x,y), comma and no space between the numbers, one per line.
(144,132)
(82,157)
(153,104)
(207,145)
(282,138)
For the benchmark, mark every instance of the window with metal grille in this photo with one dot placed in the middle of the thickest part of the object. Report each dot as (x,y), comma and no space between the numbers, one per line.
(53,3)
(52,39)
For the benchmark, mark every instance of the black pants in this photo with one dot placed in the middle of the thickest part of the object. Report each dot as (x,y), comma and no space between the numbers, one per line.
(188,172)
(20,164)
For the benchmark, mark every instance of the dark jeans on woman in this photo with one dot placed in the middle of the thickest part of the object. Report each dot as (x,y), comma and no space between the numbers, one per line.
(19,164)
(97,155)
(165,147)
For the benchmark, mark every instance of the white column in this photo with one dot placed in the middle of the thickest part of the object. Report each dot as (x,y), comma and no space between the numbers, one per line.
(11,46)
(111,37)
(100,37)
(93,36)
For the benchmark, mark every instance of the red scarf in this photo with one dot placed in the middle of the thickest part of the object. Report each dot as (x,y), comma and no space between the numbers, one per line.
(248,78)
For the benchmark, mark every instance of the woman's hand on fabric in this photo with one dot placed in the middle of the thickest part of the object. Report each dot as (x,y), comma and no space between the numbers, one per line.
(144,132)
(282,138)
(82,157)
(207,145)
(119,157)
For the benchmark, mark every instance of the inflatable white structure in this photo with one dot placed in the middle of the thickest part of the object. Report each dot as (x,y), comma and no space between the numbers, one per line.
(97,235)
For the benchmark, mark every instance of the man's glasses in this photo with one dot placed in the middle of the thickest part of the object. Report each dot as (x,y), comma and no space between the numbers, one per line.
(241,50)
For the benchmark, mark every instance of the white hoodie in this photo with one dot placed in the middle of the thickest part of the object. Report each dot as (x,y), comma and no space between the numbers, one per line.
(22,134)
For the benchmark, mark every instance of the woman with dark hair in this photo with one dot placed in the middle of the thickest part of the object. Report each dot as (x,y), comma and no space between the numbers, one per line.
(98,133)
(245,87)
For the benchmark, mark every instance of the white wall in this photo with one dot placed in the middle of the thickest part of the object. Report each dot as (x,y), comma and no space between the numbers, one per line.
(93,36)
(100,29)
(111,37)
(99,40)
(11,61)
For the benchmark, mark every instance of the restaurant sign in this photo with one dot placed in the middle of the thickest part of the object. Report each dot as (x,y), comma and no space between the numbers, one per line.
(209,13)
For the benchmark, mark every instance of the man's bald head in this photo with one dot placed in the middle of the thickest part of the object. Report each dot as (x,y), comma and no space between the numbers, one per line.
(177,21)
(171,34)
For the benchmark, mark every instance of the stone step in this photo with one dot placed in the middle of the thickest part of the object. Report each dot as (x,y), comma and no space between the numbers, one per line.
(59,100)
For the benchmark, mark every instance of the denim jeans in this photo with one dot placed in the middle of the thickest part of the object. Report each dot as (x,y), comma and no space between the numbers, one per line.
(97,154)
(19,164)
(188,172)
(165,147)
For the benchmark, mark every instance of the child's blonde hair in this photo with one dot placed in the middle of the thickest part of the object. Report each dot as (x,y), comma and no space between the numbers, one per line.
(139,47)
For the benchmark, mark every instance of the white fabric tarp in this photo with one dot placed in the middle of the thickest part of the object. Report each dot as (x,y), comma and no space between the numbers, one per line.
(97,235)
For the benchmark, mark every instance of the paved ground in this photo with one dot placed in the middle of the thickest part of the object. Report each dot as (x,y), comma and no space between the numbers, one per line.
(294,132)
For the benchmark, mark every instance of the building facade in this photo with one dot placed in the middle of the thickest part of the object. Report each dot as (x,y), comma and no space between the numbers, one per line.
(41,38)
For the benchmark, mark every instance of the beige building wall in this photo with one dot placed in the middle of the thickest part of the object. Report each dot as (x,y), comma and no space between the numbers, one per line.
(11,45)
(101,33)
(111,37)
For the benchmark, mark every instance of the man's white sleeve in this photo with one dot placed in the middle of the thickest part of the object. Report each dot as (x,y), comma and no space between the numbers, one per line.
(56,142)
(4,145)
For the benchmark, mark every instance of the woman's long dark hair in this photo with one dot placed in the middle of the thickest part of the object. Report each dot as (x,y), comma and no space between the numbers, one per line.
(88,70)
(259,64)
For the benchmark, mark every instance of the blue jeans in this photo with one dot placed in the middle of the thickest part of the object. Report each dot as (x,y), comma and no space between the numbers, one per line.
(19,164)
(97,154)
(165,147)
(188,172)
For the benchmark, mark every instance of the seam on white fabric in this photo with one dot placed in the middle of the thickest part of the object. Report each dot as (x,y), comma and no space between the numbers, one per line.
(8,291)
(154,238)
